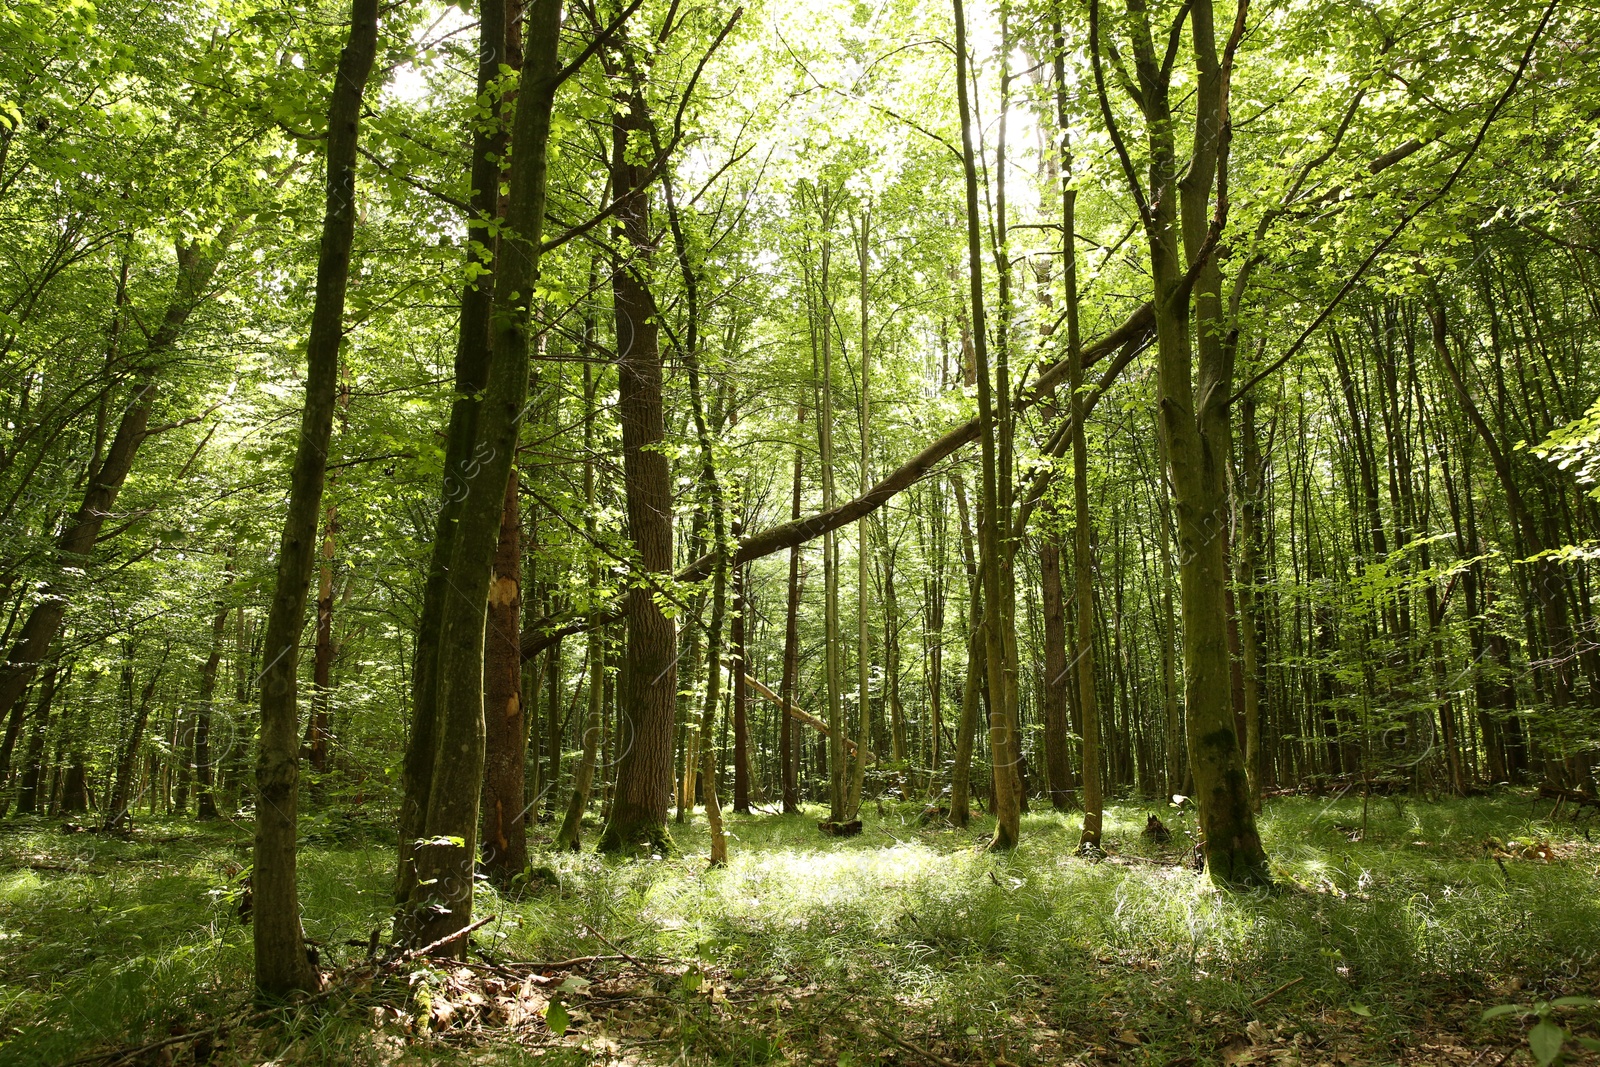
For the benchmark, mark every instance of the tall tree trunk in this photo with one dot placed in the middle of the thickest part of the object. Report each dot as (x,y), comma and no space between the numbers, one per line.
(789,740)
(741,724)
(1194,412)
(858,770)
(28,788)
(1001,689)
(324,650)
(719,599)
(553,691)
(1053,696)
(644,771)
(1250,479)
(75,727)
(490,141)
(569,837)
(440,899)
(891,672)
(1172,714)
(977,670)
(505,836)
(204,763)
(33,759)
(281,964)
(117,809)
(1083,611)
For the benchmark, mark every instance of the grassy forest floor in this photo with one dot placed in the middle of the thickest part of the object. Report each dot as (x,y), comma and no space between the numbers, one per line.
(906,945)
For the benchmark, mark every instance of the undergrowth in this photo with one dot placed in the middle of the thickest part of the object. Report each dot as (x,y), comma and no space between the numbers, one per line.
(1388,930)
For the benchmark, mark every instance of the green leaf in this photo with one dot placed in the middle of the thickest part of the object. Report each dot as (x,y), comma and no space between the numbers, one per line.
(1545,1041)
(1575,1002)
(692,980)
(556,1018)
(1504,1009)
(1361,1010)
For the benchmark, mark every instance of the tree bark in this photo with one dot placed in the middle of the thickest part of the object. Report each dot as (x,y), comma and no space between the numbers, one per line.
(741,724)
(1194,409)
(505,837)
(490,142)
(977,670)
(324,650)
(117,810)
(28,787)
(858,770)
(281,964)
(644,772)
(441,897)
(992,519)
(569,837)
(75,545)
(787,732)
(204,769)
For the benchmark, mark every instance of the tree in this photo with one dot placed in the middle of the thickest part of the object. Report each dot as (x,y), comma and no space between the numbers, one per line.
(281,963)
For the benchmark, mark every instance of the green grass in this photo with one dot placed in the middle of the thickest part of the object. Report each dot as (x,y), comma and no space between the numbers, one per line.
(1034,957)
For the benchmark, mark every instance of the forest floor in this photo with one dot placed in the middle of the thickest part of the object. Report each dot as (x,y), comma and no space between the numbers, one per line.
(1390,935)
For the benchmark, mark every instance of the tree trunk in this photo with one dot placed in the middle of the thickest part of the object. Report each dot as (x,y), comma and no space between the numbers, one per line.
(33,759)
(440,901)
(1194,417)
(569,837)
(75,545)
(788,738)
(281,965)
(891,673)
(1250,479)
(741,725)
(324,650)
(117,810)
(490,142)
(505,837)
(204,768)
(28,789)
(977,670)
(858,770)
(644,772)
(1057,672)
(1002,689)
(553,691)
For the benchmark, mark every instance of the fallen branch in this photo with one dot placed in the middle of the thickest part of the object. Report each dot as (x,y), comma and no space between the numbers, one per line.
(542,633)
(428,949)
(911,1046)
(1290,984)
(606,941)
(796,713)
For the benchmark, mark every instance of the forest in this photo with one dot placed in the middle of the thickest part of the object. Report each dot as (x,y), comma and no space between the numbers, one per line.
(921,532)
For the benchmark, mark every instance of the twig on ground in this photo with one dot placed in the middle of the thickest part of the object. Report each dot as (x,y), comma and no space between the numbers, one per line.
(911,1046)
(445,940)
(1290,984)
(618,949)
